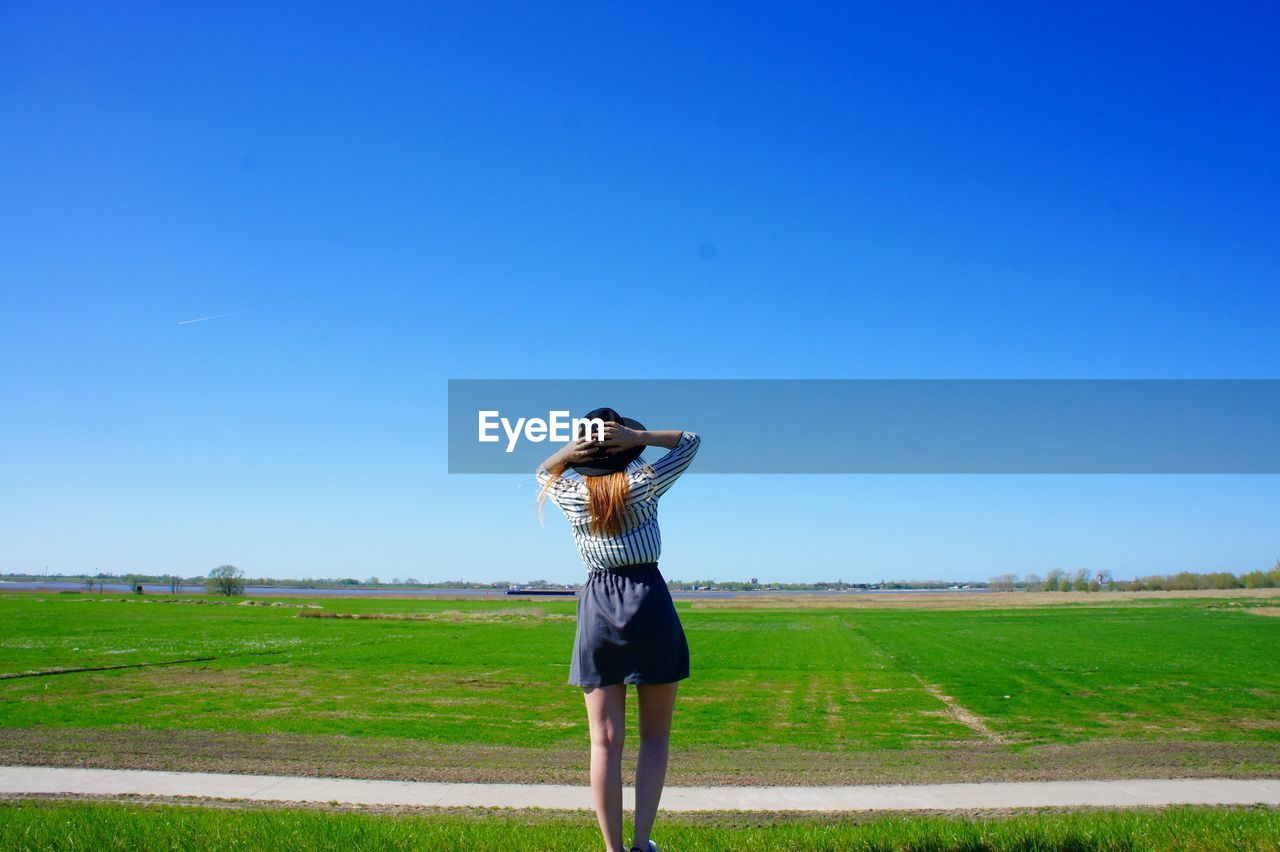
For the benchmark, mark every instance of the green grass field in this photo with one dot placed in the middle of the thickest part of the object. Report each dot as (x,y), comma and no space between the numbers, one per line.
(476,690)
(45,826)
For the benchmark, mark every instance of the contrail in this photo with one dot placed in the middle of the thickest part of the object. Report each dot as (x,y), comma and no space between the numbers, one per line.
(202,319)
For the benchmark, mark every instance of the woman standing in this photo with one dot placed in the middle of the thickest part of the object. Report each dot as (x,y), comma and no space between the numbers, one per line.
(628,629)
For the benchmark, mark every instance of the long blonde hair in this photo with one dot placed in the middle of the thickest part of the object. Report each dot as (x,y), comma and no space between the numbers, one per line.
(607,498)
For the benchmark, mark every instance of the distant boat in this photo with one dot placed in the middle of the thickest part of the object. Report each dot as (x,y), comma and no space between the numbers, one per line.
(517,590)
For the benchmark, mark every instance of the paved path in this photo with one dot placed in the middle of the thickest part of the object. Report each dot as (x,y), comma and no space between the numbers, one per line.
(896,797)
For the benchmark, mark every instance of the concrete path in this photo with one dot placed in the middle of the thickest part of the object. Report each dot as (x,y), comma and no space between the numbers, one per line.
(896,797)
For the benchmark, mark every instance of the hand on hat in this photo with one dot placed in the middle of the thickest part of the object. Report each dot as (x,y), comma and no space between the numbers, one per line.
(618,438)
(580,450)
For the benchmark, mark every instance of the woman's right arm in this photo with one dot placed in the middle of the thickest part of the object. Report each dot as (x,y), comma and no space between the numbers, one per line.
(563,493)
(574,452)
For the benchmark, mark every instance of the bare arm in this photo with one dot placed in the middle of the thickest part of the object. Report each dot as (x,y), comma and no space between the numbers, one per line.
(681,445)
(574,452)
(618,438)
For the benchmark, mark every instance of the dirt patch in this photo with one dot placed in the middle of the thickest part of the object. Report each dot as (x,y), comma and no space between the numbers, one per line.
(47,672)
(491,616)
(959,713)
(1272,611)
(154,664)
(415,760)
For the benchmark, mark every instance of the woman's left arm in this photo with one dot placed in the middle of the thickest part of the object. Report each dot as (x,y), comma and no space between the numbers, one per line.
(618,438)
(682,445)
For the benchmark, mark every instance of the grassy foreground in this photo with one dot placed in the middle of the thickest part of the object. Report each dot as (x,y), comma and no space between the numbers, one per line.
(35,825)
(476,689)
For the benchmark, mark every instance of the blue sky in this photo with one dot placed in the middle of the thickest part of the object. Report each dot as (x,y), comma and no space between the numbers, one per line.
(380,198)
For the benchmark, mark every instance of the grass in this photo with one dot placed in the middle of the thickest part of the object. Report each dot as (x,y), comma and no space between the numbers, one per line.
(29,824)
(1066,675)
(862,687)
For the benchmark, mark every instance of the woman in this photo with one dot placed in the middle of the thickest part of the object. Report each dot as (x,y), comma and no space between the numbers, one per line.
(628,629)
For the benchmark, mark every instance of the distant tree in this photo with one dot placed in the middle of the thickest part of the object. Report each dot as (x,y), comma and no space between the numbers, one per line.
(1002,583)
(1081,581)
(1220,580)
(1052,579)
(175,584)
(1256,580)
(90,582)
(225,580)
(1032,582)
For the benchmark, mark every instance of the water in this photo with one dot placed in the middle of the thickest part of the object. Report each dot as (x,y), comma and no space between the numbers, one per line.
(256,591)
(269,591)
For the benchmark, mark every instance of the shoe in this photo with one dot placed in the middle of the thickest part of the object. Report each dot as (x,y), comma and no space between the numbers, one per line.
(653,847)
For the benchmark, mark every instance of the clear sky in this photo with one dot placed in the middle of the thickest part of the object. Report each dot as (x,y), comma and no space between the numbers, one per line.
(368,201)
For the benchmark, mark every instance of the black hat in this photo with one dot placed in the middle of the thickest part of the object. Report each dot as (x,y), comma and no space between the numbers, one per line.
(601,463)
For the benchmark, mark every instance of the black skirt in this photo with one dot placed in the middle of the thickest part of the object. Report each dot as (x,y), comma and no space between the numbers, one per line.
(628,630)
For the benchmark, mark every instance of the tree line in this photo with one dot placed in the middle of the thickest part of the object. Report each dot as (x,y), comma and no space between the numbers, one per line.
(1088,580)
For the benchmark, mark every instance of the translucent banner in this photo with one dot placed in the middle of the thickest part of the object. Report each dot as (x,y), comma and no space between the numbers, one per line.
(890,426)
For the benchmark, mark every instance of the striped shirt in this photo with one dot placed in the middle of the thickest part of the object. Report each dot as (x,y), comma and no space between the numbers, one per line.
(640,540)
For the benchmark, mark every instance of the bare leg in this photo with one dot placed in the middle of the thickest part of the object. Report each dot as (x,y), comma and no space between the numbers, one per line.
(606,709)
(657,704)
